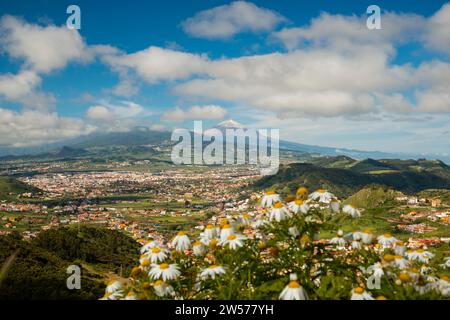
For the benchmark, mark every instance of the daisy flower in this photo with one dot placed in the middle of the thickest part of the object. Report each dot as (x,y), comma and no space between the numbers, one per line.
(226,231)
(400,262)
(293,291)
(162,289)
(419,255)
(210,232)
(146,247)
(246,219)
(212,271)
(293,231)
(322,196)
(270,198)
(356,243)
(181,242)
(367,236)
(199,248)
(444,286)
(297,206)
(114,286)
(164,271)
(157,254)
(259,222)
(131,296)
(349,209)
(339,240)
(234,241)
(278,212)
(335,206)
(387,240)
(360,294)
(400,248)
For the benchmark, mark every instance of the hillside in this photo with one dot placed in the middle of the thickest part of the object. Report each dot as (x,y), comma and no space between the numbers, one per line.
(345,182)
(372,166)
(10,188)
(39,269)
(373,197)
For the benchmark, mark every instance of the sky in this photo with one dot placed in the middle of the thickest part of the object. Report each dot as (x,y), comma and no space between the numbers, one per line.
(312,69)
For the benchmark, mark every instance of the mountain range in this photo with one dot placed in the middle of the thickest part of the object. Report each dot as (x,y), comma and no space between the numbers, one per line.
(142,136)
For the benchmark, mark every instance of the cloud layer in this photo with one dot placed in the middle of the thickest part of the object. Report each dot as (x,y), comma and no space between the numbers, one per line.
(225,21)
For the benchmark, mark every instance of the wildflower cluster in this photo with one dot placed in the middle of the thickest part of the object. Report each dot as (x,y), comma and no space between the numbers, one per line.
(272,249)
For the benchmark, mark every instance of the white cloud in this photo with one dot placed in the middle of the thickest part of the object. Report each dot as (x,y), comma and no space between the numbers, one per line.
(434,101)
(208,112)
(117,116)
(227,20)
(156,64)
(21,87)
(99,113)
(30,127)
(438,30)
(42,48)
(108,111)
(351,33)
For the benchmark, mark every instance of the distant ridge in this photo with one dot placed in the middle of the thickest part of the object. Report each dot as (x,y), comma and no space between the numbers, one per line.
(142,135)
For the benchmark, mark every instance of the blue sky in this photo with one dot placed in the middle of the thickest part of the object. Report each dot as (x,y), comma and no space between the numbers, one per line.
(311,69)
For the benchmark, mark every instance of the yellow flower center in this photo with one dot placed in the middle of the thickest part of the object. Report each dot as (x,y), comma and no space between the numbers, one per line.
(145,263)
(231,237)
(164,266)
(213,266)
(246,216)
(270,193)
(226,226)
(209,226)
(359,290)
(289,198)
(367,231)
(294,285)
(321,190)
(197,243)
(387,235)
(213,243)
(445,278)
(298,202)
(381,298)
(305,238)
(156,250)
(302,190)
(389,258)
(420,250)
(159,282)
(278,205)
(404,277)
(181,233)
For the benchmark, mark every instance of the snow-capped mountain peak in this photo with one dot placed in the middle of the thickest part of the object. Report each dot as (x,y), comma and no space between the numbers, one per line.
(230,124)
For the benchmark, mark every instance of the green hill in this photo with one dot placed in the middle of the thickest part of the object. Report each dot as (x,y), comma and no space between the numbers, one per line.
(10,188)
(341,162)
(372,166)
(345,182)
(39,269)
(373,197)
